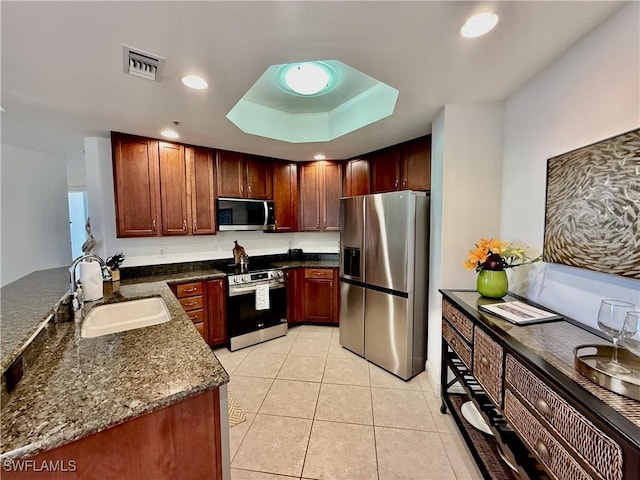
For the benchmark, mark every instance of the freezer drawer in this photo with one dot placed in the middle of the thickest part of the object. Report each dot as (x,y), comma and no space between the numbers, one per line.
(352,317)
(389,332)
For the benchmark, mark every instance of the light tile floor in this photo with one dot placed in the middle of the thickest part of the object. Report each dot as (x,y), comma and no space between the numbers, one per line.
(317,411)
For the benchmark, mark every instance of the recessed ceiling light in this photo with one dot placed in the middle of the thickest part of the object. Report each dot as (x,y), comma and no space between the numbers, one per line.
(168,133)
(194,81)
(306,79)
(319,156)
(479,25)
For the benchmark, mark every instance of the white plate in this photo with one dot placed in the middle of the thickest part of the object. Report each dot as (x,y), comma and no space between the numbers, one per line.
(471,413)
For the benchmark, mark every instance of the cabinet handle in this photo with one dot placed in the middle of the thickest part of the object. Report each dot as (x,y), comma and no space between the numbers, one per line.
(484,361)
(317,224)
(325,224)
(190,304)
(153,225)
(276,224)
(195,226)
(189,290)
(404,184)
(542,450)
(544,408)
(249,188)
(241,188)
(395,184)
(193,317)
(184,225)
(317,274)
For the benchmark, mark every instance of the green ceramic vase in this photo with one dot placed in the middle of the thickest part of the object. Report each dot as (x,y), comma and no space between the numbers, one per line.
(492,283)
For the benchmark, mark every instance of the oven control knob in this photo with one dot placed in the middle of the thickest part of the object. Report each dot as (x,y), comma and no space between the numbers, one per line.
(245,279)
(278,274)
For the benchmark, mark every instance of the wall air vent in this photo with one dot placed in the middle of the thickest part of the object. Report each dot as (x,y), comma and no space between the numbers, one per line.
(142,64)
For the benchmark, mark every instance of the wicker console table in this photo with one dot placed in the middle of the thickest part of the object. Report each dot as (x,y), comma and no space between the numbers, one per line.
(547,420)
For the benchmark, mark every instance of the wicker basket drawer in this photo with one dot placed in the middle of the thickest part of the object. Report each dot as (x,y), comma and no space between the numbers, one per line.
(487,365)
(462,324)
(456,342)
(592,445)
(554,457)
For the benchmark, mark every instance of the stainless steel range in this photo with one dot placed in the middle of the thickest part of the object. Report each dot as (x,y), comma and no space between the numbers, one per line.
(256,306)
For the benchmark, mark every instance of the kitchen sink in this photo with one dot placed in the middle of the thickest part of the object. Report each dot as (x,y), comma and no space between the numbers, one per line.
(122,316)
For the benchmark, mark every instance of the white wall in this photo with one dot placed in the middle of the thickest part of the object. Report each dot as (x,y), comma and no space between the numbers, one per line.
(144,251)
(34,213)
(589,94)
(466,179)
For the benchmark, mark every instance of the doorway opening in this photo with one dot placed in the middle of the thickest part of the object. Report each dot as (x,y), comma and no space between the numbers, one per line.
(78,213)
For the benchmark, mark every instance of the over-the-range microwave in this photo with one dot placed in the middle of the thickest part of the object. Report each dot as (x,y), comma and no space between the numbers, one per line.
(245,214)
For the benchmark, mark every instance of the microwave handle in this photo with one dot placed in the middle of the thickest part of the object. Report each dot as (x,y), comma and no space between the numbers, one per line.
(266,213)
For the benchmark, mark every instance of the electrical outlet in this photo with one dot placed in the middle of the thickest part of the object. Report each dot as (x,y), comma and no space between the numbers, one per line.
(162,252)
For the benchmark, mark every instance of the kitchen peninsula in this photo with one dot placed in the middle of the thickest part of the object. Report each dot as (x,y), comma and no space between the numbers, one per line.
(91,400)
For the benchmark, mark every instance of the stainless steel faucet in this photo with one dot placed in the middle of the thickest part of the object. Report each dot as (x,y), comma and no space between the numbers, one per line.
(77,297)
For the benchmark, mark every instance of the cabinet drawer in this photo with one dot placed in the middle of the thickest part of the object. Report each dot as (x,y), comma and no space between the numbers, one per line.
(593,445)
(200,327)
(456,342)
(196,316)
(487,365)
(462,324)
(559,461)
(189,289)
(318,273)
(191,303)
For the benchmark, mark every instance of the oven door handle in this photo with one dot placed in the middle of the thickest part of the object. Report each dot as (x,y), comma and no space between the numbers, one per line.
(235,291)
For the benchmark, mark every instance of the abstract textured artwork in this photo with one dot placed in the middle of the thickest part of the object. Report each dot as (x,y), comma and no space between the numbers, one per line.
(592,215)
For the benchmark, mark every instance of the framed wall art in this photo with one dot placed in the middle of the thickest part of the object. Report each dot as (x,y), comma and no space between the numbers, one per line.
(592,212)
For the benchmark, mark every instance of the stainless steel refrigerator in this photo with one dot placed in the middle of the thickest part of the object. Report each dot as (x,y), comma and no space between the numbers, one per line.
(384,252)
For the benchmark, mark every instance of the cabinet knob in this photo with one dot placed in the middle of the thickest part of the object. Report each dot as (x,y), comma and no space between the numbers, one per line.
(184,225)
(484,361)
(195,226)
(544,408)
(542,450)
(395,184)
(404,183)
(153,225)
(241,188)
(249,188)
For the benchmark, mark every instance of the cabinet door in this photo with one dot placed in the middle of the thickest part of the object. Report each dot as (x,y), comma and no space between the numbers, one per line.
(285,196)
(201,191)
(385,170)
(258,176)
(318,296)
(173,190)
(217,312)
(137,186)
(294,295)
(309,197)
(416,164)
(357,181)
(230,174)
(330,196)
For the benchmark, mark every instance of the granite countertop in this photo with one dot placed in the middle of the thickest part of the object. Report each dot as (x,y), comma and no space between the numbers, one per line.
(27,305)
(79,386)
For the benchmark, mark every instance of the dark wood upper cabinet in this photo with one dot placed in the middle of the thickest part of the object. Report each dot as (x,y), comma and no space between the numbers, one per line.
(243,176)
(406,166)
(416,164)
(258,176)
(357,178)
(285,196)
(385,170)
(230,172)
(137,186)
(201,190)
(320,192)
(330,193)
(173,190)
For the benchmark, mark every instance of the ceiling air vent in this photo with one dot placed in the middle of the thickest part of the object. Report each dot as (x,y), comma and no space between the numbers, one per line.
(142,64)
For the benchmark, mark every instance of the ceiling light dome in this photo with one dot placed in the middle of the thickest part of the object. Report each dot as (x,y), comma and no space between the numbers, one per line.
(306,79)
(479,25)
(195,82)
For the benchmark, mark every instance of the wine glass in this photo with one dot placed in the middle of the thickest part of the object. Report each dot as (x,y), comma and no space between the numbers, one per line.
(632,342)
(611,318)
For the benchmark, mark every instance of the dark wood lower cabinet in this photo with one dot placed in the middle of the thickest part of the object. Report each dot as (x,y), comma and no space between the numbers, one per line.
(217,308)
(320,295)
(182,441)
